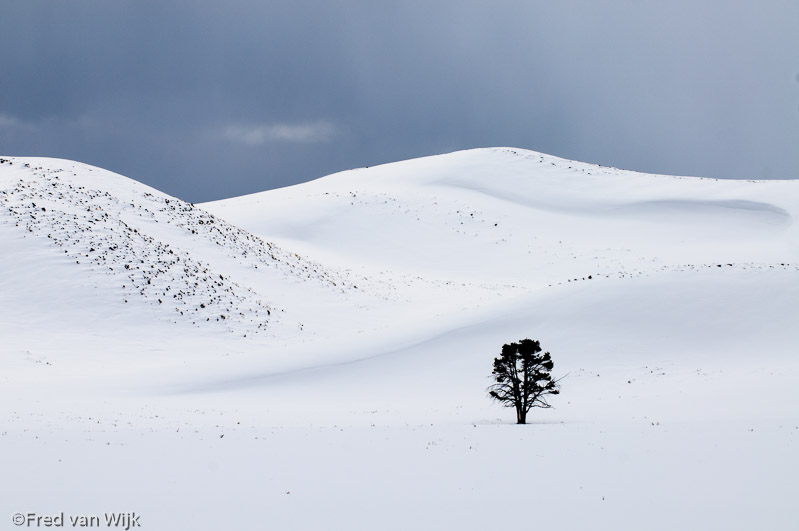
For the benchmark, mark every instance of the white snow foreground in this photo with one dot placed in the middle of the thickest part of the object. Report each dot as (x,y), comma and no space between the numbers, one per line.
(316,357)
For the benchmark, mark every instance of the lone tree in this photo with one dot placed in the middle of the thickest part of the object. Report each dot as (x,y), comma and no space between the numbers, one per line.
(523,378)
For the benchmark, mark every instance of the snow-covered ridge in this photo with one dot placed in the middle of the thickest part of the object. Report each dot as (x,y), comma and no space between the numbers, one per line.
(460,228)
(524,218)
(149,242)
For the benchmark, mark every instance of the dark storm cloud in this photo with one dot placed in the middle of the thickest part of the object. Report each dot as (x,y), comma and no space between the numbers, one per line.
(209,99)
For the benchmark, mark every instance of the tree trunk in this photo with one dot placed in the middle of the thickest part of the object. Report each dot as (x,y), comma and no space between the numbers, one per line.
(521,416)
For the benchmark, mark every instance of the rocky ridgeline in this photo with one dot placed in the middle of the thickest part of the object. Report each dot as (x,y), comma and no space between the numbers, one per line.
(123,237)
(248,249)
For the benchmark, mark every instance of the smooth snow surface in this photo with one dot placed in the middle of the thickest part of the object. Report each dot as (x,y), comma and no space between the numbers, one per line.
(316,357)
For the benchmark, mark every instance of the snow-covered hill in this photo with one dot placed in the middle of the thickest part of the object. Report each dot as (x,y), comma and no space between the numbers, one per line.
(511,216)
(316,357)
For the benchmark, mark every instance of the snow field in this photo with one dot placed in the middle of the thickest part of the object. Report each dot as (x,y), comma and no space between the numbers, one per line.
(668,303)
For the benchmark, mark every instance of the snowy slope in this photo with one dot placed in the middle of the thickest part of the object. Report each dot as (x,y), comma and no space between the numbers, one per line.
(372,302)
(514,216)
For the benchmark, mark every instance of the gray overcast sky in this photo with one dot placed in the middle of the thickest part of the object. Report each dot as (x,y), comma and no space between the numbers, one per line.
(209,99)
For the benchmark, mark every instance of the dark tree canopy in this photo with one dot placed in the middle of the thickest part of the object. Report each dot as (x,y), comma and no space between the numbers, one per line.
(523,379)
